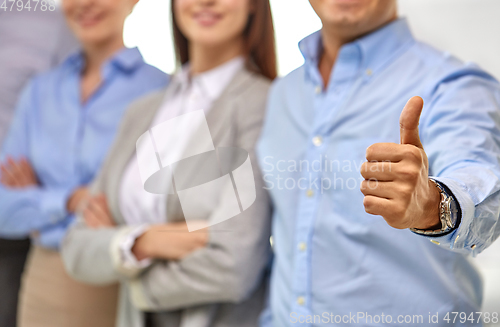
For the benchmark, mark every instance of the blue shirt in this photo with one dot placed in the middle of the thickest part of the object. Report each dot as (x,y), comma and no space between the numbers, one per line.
(66,141)
(334,260)
(32,42)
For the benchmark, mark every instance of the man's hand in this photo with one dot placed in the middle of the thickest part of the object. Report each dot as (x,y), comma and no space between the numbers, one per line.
(96,213)
(170,241)
(18,174)
(397,185)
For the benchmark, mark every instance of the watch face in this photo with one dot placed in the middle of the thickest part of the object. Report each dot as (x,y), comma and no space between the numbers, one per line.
(447,214)
(453,213)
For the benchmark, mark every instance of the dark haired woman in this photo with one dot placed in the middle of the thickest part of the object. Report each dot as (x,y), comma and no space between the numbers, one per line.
(180,259)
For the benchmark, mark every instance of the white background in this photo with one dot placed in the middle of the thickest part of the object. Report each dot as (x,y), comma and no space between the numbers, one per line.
(467,28)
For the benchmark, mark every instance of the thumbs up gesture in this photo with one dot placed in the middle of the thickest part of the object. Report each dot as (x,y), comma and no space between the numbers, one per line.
(397,185)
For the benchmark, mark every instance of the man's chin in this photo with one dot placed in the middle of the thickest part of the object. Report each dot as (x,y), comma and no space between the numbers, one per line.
(346,16)
(347,22)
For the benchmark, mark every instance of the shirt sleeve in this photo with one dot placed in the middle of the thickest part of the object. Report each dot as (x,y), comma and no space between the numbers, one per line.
(51,237)
(121,251)
(23,211)
(266,317)
(460,131)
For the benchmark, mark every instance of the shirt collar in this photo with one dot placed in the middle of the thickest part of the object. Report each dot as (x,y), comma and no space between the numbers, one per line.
(371,52)
(214,81)
(126,59)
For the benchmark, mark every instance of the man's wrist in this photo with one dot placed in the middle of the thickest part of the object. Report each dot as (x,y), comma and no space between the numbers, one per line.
(431,219)
(448,213)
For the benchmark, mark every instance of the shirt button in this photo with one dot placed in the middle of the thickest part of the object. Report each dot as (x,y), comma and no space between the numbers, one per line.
(473,246)
(369,72)
(317,90)
(317,140)
(302,246)
(301,300)
(310,193)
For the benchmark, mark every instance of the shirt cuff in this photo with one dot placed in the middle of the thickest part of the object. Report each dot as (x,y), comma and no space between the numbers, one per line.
(51,237)
(53,204)
(126,246)
(124,260)
(462,238)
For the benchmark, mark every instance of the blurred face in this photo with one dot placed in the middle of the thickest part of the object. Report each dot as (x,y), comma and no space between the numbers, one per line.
(352,18)
(96,22)
(212,22)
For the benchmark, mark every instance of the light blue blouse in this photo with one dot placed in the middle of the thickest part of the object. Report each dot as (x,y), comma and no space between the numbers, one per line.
(65,140)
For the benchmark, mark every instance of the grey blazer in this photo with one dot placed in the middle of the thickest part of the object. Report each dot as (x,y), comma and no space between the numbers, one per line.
(219,285)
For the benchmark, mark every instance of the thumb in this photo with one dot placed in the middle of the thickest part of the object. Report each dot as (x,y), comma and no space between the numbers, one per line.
(408,122)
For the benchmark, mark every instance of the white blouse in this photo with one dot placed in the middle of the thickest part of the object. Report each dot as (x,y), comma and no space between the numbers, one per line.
(196,93)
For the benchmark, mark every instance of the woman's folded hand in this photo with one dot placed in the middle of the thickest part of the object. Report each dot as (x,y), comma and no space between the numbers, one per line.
(96,213)
(18,173)
(171,241)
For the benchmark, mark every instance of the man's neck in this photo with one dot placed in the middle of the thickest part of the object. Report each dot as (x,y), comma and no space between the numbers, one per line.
(332,42)
(331,46)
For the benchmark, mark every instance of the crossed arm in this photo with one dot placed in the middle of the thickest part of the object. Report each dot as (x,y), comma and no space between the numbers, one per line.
(26,204)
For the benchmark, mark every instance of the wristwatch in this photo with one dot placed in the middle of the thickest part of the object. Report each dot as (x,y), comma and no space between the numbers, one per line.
(447,214)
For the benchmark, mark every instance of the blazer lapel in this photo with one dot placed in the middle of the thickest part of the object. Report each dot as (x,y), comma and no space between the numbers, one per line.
(222,108)
(142,119)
